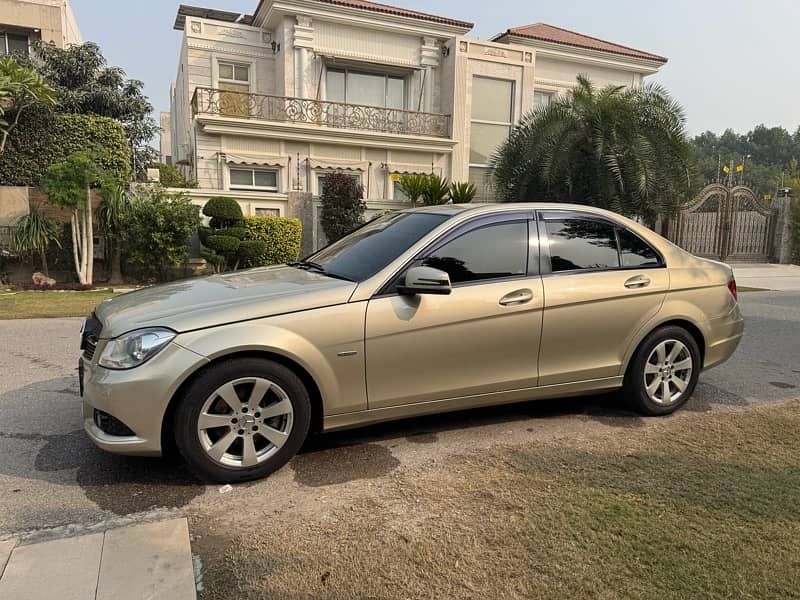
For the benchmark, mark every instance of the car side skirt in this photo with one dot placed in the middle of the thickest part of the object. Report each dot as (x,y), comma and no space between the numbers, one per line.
(378,415)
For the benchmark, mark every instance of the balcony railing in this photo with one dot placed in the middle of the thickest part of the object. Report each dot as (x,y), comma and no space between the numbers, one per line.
(209,101)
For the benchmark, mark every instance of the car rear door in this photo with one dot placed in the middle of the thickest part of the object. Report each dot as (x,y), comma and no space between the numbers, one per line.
(602,283)
(480,339)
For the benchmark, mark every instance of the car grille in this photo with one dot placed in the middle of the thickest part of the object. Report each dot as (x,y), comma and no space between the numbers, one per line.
(91,333)
(89,346)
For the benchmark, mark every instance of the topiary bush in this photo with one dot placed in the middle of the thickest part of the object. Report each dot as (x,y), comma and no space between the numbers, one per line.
(342,205)
(43,138)
(252,253)
(224,244)
(224,212)
(281,236)
(238,232)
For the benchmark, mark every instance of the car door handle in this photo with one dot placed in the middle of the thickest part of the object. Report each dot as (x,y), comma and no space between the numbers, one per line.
(639,281)
(516,297)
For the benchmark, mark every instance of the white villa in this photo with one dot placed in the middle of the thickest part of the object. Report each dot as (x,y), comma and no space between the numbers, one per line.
(264,105)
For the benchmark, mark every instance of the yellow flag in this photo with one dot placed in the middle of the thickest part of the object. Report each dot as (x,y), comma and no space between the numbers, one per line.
(739,168)
(726,169)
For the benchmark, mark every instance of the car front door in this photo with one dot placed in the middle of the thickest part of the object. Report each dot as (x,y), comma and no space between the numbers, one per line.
(481,338)
(604,283)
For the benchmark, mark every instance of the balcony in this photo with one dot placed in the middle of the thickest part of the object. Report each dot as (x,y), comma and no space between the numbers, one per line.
(282,109)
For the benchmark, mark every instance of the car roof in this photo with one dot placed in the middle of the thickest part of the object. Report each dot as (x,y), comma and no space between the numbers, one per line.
(490,207)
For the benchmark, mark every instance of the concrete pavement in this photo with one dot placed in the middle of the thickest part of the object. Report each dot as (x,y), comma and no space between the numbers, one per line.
(150,561)
(769,277)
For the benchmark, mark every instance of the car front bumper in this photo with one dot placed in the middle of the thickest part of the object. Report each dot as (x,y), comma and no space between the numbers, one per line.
(138,398)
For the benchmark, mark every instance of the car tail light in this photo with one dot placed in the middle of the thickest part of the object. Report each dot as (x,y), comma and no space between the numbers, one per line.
(732,289)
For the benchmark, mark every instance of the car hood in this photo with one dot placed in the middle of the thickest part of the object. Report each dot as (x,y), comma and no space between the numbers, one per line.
(218,299)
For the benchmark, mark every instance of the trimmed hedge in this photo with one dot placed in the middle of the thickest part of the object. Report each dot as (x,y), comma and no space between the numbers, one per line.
(223,244)
(223,212)
(251,253)
(282,237)
(43,138)
(239,233)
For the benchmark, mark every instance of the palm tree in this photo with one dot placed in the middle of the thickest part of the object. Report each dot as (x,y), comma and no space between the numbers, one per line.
(33,233)
(111,221)
(624,149)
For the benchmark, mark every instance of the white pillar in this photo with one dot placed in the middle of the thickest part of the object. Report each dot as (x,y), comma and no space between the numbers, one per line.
(429,60)
(303,43)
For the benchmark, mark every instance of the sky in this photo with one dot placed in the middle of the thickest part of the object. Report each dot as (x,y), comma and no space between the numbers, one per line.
(732,63)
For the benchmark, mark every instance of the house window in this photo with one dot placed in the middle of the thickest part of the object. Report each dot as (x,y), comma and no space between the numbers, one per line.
(13,43)
(321,180)
(492,114)
(254,179)
(542,99)
(234,84)
(372,89)
(268,212)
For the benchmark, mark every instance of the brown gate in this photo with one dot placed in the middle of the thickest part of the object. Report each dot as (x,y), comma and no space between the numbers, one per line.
(726,223)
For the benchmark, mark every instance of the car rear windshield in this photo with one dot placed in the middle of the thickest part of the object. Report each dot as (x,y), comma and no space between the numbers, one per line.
(370,248)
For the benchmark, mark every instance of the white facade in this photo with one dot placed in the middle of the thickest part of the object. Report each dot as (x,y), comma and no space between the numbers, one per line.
(265,105)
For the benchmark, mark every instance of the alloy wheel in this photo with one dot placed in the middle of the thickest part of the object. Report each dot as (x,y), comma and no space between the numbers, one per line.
(667,372)
(245,421)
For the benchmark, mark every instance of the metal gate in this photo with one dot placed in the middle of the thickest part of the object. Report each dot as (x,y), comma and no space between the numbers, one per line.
(726,223)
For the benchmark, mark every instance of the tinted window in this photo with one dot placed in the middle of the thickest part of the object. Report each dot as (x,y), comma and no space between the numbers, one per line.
(634,251)
(369,249)
(582,244)
(490,252)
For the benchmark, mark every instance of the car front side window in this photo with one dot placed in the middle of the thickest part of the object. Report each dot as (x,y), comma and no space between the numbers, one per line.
(495,251)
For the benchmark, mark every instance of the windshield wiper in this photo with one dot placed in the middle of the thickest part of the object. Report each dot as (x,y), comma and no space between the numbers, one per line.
(308,265)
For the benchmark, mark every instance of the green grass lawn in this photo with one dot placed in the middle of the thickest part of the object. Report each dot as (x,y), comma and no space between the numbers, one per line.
(701,506)
(29,305)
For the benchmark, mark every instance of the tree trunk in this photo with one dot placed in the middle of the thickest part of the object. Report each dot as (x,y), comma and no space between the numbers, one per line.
(76,240)
(89,238)
(43,254)
(116,263)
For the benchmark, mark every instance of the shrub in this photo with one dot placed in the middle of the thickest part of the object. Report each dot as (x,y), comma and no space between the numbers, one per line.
(224,212)
(413,186)
(281,236)
(462,192)
(342,205)
(251,253)
(203,232)
(170,176)
(238,232)
(43,138)
(225,245)
(157,230)
(436,191)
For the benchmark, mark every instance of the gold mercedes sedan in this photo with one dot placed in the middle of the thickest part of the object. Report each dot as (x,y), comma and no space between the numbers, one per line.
(417,312)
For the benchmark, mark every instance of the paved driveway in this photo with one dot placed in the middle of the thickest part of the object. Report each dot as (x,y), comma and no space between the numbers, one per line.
(52,476)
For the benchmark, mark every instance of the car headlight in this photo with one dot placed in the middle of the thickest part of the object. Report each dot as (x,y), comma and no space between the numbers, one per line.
(135,348)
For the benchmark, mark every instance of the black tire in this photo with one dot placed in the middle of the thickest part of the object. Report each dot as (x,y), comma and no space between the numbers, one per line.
(634,388)
(190,405)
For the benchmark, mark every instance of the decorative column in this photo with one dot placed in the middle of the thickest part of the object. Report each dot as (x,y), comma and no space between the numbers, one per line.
(429,60)
(303,44)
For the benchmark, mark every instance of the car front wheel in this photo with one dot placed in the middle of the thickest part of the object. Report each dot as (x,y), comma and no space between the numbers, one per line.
(664,372)
(242,419)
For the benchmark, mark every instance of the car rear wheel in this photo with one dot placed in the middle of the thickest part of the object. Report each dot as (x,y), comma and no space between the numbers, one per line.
(664,372)
(242,419)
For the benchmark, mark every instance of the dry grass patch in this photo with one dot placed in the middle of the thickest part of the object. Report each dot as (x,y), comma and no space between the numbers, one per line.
(703,507)
(31,305)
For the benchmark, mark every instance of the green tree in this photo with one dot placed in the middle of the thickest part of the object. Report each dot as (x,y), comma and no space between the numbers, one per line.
(33,233)
(623,149)
(413,186)
(342,205)
(21,88)
(68,184)
(111,220)
(86,85)
(156,231)
(223,238)
(170,176)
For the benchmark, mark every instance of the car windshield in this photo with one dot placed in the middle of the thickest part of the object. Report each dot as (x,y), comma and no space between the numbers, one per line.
(370,248)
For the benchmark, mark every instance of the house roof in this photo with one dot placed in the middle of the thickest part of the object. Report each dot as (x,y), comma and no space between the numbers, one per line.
(550,33)
(185,10)
(391,10)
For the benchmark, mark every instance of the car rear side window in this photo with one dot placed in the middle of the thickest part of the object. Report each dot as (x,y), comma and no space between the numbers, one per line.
(489,252)
(579,243)
(635,252)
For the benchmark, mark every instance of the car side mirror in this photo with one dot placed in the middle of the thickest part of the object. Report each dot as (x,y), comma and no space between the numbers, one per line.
(425,280)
